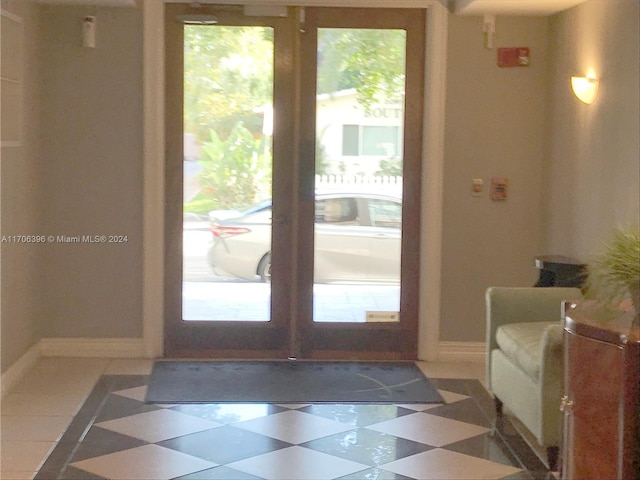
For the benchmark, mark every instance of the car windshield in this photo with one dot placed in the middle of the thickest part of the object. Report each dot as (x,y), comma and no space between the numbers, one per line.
(257,207)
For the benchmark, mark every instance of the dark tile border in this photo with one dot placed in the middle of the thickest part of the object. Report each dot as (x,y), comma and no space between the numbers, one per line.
(55,466)
(503,432)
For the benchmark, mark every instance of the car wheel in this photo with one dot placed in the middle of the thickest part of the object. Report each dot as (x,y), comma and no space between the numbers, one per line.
(264,268)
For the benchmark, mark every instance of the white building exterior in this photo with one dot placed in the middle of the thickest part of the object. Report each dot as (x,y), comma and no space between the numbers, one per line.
(355,139)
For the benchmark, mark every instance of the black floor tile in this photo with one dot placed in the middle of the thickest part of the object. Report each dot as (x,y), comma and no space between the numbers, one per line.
(100,441)
(228,413)
(367,446)
(519,448)
(72,473)
(486,446)
(116,406)
(466,410)
(357,415)
(224,445)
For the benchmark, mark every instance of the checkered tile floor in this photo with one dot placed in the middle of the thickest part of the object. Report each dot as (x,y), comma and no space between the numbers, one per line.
(116,435)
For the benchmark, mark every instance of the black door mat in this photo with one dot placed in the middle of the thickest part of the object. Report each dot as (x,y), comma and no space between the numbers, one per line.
(289,382)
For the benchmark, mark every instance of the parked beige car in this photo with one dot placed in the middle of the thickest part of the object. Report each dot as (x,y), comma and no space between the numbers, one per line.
(357,240)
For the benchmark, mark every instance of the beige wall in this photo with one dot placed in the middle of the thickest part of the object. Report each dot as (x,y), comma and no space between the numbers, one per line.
(573,169)
(91,172)
(79,173)
(495,126)
(593,152)
(19,205)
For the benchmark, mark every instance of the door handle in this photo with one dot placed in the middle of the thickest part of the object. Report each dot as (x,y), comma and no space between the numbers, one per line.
(565,403)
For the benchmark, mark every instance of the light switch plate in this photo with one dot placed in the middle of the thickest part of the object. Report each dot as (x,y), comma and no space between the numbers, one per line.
(477,186)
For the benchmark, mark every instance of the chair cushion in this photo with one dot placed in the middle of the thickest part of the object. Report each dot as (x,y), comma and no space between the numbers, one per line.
(520,342)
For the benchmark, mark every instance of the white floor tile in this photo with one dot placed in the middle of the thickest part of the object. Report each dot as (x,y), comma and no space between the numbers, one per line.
(297,463)
(7,475)
(42,404)
(23,456)
(158,425)
(140,393)
(55,382)
(441,464)
(26,428)
(144,463)
(294,426)
(451,397)
(73,365)
(430,429)
(136,393)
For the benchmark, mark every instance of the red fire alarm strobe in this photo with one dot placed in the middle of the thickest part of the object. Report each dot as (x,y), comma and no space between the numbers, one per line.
(513,57)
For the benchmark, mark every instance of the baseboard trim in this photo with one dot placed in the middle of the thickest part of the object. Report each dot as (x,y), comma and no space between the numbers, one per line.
(468,352)
(19,369)
(93,347)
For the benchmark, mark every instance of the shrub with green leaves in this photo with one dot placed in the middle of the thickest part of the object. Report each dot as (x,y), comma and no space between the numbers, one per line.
(614,272)
(235,170)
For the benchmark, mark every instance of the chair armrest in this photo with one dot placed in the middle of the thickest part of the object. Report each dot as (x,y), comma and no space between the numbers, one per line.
(522,304)
(551,366)
(551,382)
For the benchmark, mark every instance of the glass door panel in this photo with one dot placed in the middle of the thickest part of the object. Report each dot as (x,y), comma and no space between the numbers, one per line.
(228,124)
(227,168)
(297,138)
(362,158)
(359,165)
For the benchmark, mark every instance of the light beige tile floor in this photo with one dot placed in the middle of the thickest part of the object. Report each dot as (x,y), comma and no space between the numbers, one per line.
(37,410)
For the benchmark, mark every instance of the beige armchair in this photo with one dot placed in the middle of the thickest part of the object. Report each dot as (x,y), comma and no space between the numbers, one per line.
(525,358)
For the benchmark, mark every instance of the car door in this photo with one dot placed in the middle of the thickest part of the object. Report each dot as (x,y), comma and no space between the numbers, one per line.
(384,232)
(342,248)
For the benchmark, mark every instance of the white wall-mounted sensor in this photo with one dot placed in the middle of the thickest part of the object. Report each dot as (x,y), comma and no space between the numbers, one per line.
(89,31)
(489,29)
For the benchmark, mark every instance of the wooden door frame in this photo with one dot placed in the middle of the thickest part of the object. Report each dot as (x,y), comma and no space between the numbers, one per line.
(230,339)
(151,343)
(363,340)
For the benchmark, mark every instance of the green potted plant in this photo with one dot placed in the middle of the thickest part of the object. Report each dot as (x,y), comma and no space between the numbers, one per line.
(614,273)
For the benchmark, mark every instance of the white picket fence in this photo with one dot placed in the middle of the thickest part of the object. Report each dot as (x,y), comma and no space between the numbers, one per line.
(385,185)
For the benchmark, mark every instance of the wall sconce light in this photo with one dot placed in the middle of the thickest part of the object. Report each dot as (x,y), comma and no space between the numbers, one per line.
(585,88)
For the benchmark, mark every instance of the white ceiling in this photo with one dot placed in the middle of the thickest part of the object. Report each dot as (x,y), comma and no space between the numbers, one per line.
(512,7)
(460,7)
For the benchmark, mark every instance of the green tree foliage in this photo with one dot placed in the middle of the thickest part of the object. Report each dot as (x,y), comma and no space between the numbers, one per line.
(391,167)
(371,61)
(234,170)
(228,72)
(228,81)
(228,77)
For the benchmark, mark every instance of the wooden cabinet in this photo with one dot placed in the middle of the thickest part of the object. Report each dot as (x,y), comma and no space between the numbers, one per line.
(601,399)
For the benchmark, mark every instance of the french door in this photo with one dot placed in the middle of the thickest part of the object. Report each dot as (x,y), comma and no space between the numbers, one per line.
(293,163)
